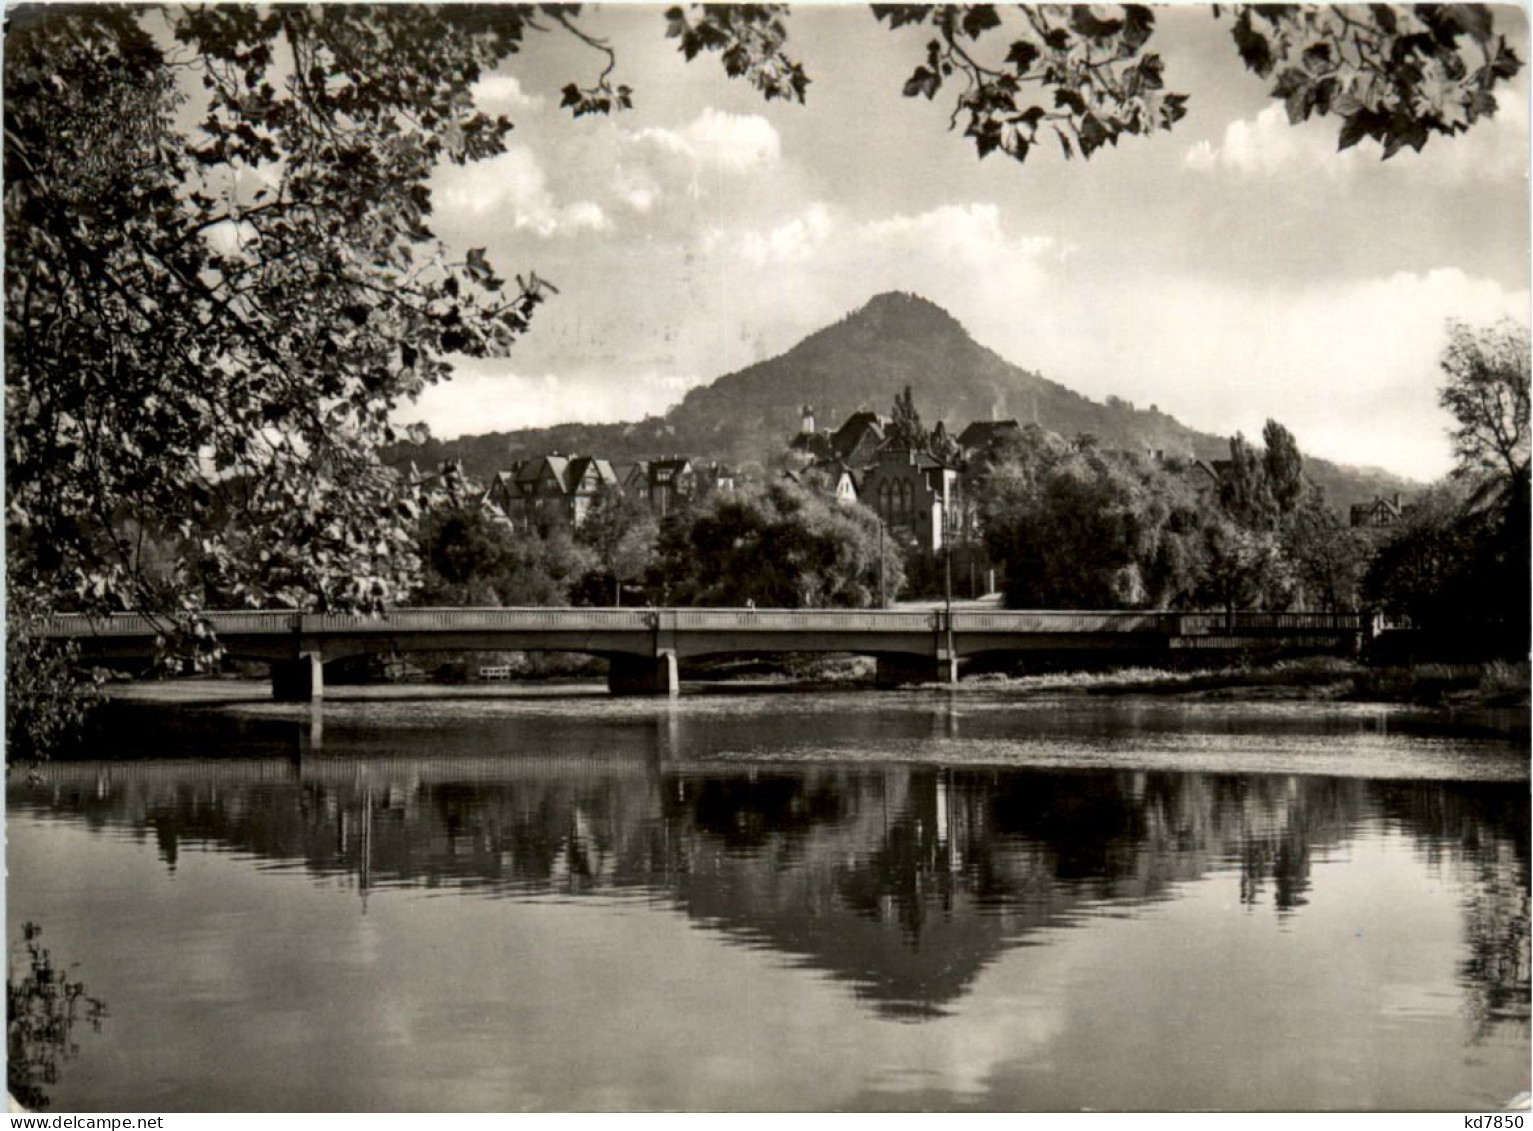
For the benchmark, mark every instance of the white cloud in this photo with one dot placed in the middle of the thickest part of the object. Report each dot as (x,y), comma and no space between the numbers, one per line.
(968,233)
(1349,367)
(512,189)
(794,241)
(504,92)
(636,187)
(732,143)
(478,399)
(964,237)
(1268,145)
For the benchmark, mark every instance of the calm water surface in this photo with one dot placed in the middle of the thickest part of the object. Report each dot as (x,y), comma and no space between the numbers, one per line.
(908,900)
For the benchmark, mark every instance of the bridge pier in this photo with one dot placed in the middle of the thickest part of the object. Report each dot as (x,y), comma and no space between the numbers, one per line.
(644,675)
(298,681)
(896,671)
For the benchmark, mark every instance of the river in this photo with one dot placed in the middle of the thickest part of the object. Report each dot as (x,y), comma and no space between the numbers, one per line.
(426,899)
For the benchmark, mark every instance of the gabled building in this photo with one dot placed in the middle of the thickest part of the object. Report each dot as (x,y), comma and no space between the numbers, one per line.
(914,493)
(984,436)
(633,477)
(714,476)
(839,480)
(1382,513)
(451,486)
(551,492)
(670,481)
(857,442)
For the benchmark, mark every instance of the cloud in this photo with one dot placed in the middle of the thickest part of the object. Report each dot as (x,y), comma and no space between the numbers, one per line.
(504,92)
(962,236)
(731,143)
(512,189)
(480,398)
(1349,366)
(794,241)
(636,187)
(1269,146)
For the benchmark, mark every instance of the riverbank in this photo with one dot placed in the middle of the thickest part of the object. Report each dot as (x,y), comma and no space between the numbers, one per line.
(1317,678)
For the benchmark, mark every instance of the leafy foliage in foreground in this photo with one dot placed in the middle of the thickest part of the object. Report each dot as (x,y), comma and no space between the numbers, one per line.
(42,1006)
(1085,76)
(208,326)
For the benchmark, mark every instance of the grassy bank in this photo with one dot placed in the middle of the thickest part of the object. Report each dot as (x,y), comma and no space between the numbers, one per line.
(1318,678)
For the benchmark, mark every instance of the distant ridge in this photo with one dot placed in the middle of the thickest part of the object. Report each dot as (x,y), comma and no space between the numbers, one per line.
(860,362)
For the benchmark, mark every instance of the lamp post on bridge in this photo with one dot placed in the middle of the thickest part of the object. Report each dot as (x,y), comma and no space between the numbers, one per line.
(950,664)
(883,591)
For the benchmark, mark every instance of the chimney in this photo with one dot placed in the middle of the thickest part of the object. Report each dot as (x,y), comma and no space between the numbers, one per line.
(806,426)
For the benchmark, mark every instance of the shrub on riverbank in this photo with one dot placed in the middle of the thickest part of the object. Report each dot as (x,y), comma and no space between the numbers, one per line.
(1496,684)
(1320,678)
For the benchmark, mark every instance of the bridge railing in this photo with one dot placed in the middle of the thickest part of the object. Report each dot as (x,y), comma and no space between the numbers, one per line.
(1063,620)
(481,620)
(1218,624)
(805,620)
(244,623)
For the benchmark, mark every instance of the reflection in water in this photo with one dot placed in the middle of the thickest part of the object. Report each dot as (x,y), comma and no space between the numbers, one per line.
(972,903)
(904,881)
(42,1005)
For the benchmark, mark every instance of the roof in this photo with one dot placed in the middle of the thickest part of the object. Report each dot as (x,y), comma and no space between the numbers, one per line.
(580,466)
(533,470)
(675,463)
(983,433)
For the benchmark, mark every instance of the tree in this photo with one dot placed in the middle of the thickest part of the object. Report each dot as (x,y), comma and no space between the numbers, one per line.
(1282,469)
(780,546)
(1426,571)
(1328,557)
(220,282)
(905,427)
(1487,387)
(1086,76)
(1243,568)
(620,531)
(1087,529)
(473,557)
(1243,493)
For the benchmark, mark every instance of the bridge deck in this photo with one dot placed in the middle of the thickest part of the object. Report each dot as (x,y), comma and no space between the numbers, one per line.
(765,621)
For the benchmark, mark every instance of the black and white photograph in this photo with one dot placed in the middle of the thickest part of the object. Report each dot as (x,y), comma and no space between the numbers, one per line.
(741,558)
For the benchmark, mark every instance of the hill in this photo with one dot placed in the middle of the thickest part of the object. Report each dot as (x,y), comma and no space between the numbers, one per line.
(746,418)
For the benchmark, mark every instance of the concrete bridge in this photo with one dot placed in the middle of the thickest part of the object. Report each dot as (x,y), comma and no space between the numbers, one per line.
(644,645)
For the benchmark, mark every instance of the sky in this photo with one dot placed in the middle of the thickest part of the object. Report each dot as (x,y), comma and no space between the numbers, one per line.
(1233,269)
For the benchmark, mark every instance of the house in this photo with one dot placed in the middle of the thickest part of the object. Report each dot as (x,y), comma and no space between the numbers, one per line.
(1207,475)
(1381,513)
(670,481)
(451,486)
(857,442)
(553,491)
(715,476)
(832,476)
(633,477)
(914,493)
(984,436)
